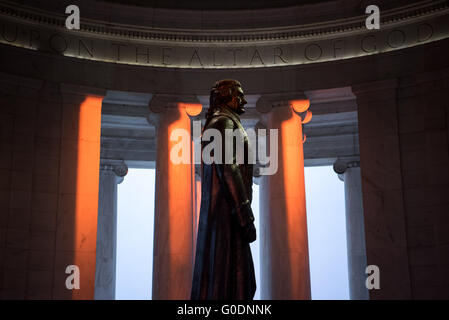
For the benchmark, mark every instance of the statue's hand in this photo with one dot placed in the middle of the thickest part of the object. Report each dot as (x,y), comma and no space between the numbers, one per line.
(245,218)
(249,232)
(244,213)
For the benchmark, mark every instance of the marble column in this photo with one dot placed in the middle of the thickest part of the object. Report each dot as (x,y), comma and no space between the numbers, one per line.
(283,226)
(76,233)
(175,199)
(49,172)
(355,228)
(111,174)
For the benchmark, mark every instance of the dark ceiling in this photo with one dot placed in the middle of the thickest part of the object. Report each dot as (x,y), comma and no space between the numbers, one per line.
(215,5)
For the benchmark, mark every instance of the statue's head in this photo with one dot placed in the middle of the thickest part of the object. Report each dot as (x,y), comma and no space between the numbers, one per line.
(229,93)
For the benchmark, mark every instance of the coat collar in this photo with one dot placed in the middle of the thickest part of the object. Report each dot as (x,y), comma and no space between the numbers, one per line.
(228,111)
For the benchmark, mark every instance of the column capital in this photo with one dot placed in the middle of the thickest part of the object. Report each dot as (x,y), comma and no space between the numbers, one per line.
(297,101)
(267,102)
(118,167)
(161,103)
(75,89)
(341,166)
(77,95)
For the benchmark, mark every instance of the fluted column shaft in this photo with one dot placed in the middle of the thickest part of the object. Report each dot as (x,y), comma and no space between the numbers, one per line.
(355,228)
(283,227)
(173,254)
(111,174)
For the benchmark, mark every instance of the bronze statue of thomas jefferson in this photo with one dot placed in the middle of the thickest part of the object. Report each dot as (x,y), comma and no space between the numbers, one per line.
(224,267)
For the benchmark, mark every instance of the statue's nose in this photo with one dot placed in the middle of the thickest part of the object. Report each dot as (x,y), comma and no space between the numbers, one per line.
(244,101)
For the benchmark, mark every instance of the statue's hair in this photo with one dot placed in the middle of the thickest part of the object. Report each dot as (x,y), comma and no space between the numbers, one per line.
(220,94)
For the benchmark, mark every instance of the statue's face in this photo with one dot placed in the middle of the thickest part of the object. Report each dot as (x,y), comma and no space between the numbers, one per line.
(238,101)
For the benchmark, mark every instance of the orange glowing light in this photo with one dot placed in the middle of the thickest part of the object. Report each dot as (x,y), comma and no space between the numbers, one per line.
(174,214)
(86,208)
(192,109)
(307,118)
(295,202)
(179,191)
(300,106)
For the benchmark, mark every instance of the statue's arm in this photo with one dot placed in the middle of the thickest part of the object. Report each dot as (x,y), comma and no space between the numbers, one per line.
(234,182)
(232,177)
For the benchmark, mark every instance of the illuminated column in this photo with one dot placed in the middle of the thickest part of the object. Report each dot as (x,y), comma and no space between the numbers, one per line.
(175,198)
(355,228)
(283,227)
(111,174)
(77,210)
(49,163)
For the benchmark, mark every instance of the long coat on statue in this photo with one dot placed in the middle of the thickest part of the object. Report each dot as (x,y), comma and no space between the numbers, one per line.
(224,267)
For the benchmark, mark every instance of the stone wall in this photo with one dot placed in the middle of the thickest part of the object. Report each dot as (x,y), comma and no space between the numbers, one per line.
(49,168)
(404,152)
